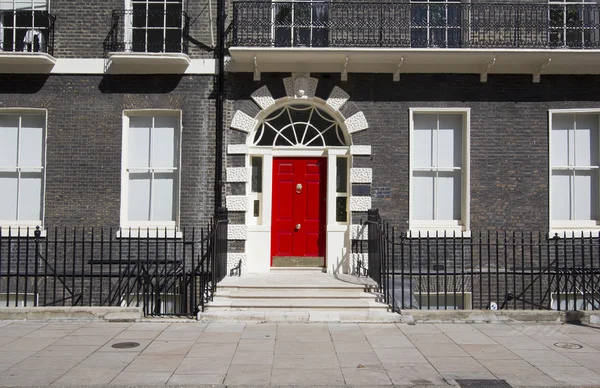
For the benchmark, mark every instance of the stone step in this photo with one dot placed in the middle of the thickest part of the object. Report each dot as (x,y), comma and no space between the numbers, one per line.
(291,304)
(302,293)
(298,261)
(299,315)
(297,270)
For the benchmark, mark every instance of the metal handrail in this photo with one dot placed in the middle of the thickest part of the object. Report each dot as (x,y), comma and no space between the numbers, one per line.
(27,31)
(148,31)
(415,25)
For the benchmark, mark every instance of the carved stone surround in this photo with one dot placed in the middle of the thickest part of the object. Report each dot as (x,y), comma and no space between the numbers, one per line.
(300,87)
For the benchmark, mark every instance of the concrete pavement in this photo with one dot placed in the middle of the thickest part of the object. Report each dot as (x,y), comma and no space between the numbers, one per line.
(82,353)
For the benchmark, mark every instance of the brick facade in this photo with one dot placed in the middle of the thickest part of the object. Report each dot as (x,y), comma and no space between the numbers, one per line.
(509,135)
(84,140)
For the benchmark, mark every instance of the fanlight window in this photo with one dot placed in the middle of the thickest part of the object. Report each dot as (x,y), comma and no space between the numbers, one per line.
(299,125)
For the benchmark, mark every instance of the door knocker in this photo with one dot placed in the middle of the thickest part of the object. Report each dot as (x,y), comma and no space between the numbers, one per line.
(299,188)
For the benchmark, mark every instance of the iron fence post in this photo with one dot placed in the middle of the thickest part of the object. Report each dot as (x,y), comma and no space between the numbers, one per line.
(372,245)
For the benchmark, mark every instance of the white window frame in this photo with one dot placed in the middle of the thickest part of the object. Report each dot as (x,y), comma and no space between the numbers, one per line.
(564,4)
(567,227)
(129,25)
(148,228)
(570,300)
(19,227)
(441,228)
(451,300)
(429,28)
(43,49)
(295,25)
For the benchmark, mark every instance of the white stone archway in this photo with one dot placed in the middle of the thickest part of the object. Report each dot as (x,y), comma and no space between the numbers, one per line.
(256,231)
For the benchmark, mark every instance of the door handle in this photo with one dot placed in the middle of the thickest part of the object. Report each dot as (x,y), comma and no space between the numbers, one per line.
(298,226)
(299,188)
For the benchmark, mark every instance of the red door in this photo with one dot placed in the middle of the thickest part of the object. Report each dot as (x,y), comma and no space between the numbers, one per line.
(298,217)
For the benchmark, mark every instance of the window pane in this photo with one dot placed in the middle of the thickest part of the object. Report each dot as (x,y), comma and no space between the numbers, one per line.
(8,140)
(139,15)
(156,15)
(155,40)
(448,196)
(341,181)
(32,141)
(586,140)
(163,196)
(139,197)
(423,186)
(423,148)
(586,195)
(423,142)
(163,144)
(561,197)
(139,141)
(8,196)
(256,174)
(562,124)
(340,209)
(450,140)
(30,193)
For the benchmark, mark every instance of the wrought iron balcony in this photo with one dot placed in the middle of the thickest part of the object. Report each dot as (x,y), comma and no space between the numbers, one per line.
(148,31)
(27,31)
(415,25)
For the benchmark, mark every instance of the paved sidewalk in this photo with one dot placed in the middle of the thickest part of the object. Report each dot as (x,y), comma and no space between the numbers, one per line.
(69,354)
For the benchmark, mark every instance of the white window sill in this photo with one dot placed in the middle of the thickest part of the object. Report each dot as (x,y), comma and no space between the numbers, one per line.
(574,233)
(20,231)
(148,233)
(438,232)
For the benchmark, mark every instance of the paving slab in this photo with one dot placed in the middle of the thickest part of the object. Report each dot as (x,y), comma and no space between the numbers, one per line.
(204,379)
(249,357)
(272,354)
(155,363)
(212,349)
(305,362)
(129,335)
(359,360)
(394,357)
(26,377)
(290,347)
(213,365)
(88,375)
(415,374)
(256,345)
(366,375)
(141,378)
(328,376)
(249,375)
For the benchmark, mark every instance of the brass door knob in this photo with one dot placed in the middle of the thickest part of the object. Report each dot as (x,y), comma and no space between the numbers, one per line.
(298,226)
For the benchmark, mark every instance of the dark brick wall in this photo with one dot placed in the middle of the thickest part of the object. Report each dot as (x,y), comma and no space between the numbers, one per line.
(84,140)
(509,135)
(81,27)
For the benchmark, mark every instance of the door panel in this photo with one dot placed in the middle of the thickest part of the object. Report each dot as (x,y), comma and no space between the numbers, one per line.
(299,193)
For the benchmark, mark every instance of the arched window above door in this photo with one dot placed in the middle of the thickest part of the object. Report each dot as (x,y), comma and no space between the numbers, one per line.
(299,125)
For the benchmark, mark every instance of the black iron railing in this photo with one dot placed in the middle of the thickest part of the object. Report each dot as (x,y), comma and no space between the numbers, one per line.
(166,274)
(148,31)
(415,25)
(27,31)
(485,270)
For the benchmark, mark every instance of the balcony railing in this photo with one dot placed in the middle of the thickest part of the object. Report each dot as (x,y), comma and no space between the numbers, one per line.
(415,25)
(148,31)
(27,31)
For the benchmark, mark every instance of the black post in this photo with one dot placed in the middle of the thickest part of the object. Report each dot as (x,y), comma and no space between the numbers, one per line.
(220,97)
(373,246)
(37,234)
(221,220)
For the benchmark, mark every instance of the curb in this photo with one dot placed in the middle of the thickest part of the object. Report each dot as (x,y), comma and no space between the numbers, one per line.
(108,314)
(499,316)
